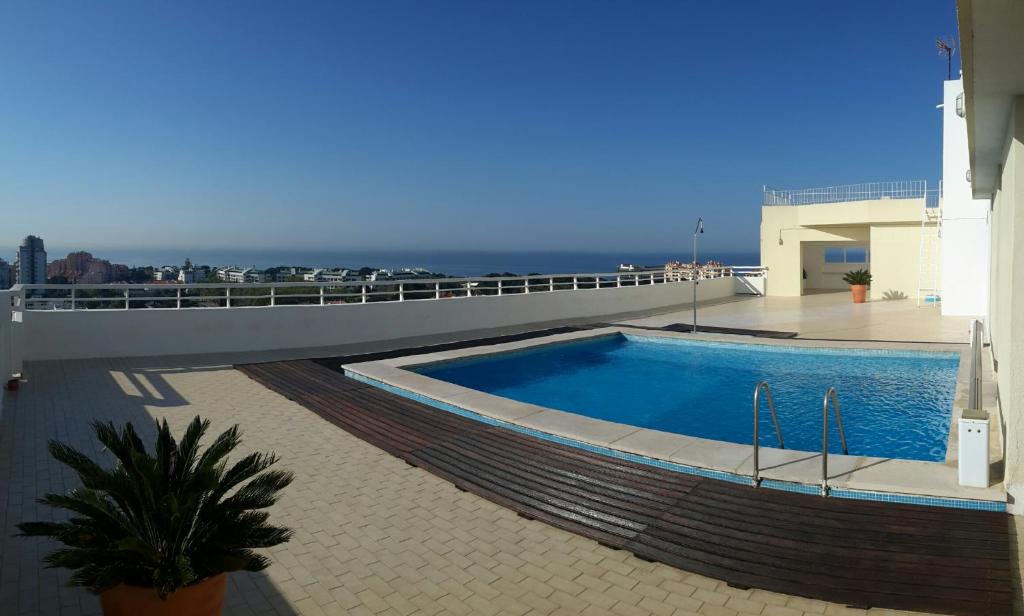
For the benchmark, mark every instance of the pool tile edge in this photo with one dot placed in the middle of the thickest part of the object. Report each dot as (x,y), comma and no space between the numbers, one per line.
(838,489)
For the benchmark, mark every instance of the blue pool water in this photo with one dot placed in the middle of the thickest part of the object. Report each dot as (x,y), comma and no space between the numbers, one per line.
(894,404)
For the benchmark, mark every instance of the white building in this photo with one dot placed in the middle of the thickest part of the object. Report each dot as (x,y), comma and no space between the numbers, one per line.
(165,273)
(965,220)
(189,276)
(335,275)
(402,274)
(992,49)
(240,276)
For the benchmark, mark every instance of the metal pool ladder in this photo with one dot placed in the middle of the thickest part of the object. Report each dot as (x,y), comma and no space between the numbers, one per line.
(830,394)
(775,420)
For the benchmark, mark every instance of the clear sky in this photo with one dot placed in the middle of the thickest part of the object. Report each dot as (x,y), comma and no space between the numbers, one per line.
(471,125)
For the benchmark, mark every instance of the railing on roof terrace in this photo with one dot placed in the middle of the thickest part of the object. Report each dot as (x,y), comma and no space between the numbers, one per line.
(231,295)
(8,362)
(910,189)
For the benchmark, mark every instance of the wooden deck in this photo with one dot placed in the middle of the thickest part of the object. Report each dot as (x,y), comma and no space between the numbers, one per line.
(859,553)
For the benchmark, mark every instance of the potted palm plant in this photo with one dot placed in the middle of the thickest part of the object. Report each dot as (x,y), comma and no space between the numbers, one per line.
(158,532)
(858,281)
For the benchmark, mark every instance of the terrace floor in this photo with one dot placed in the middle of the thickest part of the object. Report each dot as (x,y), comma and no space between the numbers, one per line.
(827,315)
(374,535)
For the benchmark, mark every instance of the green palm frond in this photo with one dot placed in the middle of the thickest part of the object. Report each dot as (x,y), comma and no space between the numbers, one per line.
(856,277)
(165,519)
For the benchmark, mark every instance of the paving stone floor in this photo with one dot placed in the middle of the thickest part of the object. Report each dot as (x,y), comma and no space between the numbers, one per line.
(373,535)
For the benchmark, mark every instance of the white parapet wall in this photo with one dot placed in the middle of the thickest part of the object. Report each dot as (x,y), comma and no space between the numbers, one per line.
(7,356)
(78,334)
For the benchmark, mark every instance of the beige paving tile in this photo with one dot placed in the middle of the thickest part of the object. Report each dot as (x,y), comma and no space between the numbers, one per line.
(373,535)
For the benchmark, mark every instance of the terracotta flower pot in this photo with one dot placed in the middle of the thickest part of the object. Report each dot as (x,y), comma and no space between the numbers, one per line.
(860,293)
(203,599)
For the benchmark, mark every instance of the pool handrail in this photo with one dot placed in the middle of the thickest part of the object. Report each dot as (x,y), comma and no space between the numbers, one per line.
(830,393)
(974,391)
(757,421)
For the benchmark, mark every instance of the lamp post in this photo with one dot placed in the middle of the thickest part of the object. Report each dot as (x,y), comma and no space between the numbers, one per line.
(696,232)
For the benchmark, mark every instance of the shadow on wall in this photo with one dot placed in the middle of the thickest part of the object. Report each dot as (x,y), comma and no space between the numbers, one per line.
(893,294)
(57,404)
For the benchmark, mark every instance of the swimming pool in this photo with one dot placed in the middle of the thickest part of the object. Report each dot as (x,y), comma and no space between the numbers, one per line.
(895,404)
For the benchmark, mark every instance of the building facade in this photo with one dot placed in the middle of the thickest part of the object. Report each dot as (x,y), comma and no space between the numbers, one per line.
(81,268)
(965,221)
(240,276)
(30,266)
(810,238)
(6,275)
(991,49)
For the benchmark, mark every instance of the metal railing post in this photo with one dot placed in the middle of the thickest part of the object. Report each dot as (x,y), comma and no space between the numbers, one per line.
(127,299)
(401,291)
(500,286)
(273,296)
(830,393)
(177,303)
(362,294)
(974,398)
(757,425)
(227,297)
(437,290)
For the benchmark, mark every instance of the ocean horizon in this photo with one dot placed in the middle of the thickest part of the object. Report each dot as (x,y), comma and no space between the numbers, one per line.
(454,263)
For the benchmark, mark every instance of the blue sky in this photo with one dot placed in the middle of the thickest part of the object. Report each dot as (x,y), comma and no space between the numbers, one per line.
(597,126)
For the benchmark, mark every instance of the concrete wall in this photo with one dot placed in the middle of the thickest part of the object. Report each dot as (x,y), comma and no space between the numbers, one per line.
(60,334)
(895,254)
(6,343)
(1006,301)
(790,236)
(965,225)
(821,275)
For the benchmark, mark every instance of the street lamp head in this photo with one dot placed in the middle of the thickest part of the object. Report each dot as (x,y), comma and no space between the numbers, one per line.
(700,226)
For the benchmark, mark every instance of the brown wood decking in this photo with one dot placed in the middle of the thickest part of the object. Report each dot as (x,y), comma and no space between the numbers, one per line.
(860,553)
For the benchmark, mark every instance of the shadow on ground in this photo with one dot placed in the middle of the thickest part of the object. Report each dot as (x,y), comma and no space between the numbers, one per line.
(54,403)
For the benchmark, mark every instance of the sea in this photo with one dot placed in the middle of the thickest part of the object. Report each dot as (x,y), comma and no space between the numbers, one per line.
(452,263)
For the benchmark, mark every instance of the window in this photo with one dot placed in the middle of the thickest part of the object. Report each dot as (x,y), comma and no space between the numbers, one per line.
(857,254)
(853,254)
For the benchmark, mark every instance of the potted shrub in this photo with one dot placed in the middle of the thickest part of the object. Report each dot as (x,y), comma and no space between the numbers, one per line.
(158,532)
(858,281)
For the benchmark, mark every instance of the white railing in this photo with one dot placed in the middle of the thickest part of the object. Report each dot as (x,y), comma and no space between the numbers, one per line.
(7,358)
(909,189)
(230,295)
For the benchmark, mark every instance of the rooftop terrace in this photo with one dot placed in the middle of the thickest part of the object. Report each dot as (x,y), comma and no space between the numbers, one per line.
(845,193)
(374,535)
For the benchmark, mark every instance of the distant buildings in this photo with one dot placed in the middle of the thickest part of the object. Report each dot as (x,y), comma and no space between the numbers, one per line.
(239,276)
(6,275)
(190,275)
(403,274)
(286,273)
(81,268)
(332,275)
(165,273)
(30,266)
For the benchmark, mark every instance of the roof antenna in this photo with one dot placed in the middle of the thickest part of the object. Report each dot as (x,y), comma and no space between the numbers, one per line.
(947,47)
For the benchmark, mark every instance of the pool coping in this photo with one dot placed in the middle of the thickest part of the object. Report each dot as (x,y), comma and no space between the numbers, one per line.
(792,470)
